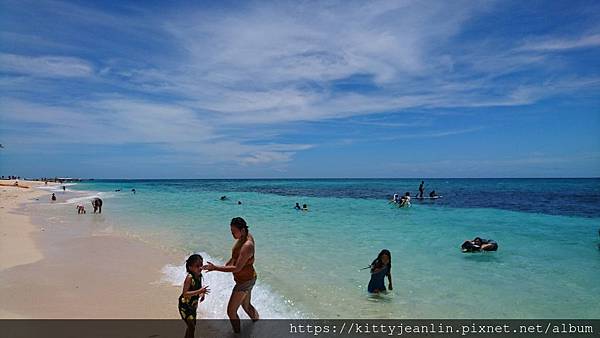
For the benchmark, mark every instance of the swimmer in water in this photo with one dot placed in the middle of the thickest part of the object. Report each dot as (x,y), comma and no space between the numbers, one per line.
(297,206)
(381,267)
(304,207)
(405,200)
(479,244)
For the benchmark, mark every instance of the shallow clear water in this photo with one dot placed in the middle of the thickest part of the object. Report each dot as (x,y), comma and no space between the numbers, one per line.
(548,264)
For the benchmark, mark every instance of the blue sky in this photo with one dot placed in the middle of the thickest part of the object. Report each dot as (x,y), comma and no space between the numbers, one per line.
(300,89)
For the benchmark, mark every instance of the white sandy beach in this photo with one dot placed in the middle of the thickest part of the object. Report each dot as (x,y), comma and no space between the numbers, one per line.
(17,246)
(46,272)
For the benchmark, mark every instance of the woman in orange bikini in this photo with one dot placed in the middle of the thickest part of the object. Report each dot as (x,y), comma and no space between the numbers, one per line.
(241,265)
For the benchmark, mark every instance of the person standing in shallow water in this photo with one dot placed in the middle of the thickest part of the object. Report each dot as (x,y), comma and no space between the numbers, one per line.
(381,267)
(97,205)
(191,294)
(244,275)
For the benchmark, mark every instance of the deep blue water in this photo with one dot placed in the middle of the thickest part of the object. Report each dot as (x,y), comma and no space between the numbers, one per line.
(567,197)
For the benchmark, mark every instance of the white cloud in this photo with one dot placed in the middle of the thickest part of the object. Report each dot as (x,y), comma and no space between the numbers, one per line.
(221,84)
(435,134)
(119,121)
(561,44)
(45,66)
(278,63)
(274,63)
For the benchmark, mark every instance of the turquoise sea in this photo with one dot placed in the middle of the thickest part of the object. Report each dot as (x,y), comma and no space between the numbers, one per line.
(547,265)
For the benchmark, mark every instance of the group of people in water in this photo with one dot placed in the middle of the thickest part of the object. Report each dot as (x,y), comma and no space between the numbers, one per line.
(241,266)
(401,201)
(404,200)
(381,267)
(96,204)
(432,194)
(225,198)
(132,190)
(304,207)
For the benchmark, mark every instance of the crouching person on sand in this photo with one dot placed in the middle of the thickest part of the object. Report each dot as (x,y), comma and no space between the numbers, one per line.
(80,209)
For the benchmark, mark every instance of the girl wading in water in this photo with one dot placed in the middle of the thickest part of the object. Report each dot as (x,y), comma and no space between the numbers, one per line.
(241,265)
(381,268)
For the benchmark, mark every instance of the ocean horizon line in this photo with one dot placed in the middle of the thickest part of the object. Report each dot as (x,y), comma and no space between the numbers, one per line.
(326,178)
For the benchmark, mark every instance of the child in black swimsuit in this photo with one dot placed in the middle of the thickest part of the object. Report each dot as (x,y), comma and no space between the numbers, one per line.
(192,289)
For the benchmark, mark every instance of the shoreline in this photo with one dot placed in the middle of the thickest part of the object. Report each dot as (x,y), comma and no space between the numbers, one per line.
(17,246)
(51,270)
(132,251)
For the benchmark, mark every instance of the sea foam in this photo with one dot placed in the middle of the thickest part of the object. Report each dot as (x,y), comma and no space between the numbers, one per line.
(268,303)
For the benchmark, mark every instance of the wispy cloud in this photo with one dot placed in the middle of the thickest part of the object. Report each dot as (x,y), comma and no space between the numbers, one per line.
(430,134)
(45,66)
(560,44)
(115,121)
(278,63)
(227,84)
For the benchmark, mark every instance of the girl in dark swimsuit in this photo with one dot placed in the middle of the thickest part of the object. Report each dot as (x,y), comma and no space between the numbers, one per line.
(380,268)
(192,289)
